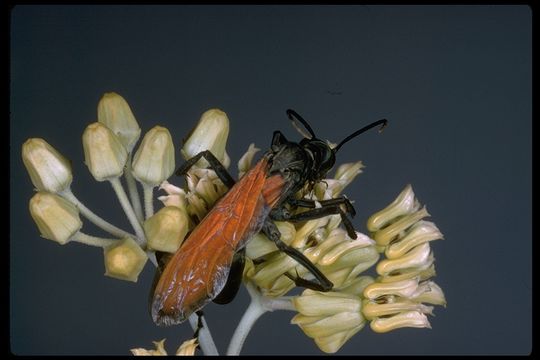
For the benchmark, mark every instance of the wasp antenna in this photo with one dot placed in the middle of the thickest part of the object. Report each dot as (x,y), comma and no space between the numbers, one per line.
(382,122)
(293,116)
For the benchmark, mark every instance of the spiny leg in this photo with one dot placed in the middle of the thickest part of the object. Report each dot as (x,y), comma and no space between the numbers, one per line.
(308,203)
(215,165)
(322,284)
(282,214)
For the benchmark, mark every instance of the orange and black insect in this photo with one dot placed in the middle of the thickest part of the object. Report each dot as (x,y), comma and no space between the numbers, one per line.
(209,264)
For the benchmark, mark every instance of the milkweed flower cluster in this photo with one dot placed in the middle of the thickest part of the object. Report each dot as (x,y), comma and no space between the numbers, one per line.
(395,298)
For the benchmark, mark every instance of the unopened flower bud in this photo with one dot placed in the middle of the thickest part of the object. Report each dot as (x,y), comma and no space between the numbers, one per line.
(154,159)
(56,218)
(316,303)
(48,169)
(356,286)
(104,154)
(211,133)
(124,260)
(115,113)
(403,204)
(414,319)
(166,229)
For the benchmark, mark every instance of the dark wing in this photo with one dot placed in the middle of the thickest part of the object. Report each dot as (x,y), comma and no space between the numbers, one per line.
(198,270)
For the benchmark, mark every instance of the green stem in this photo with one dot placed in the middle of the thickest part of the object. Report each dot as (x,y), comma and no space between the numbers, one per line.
(148,200)
(92,240)
(132,189)
(258,306)
(128,209)
(98,221)
(206,342)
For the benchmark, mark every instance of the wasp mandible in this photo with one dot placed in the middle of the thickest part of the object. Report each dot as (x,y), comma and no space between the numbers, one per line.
(209,264)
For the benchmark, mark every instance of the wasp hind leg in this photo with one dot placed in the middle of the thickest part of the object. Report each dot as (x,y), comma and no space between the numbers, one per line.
(234,280)
(215,165)
(322,284)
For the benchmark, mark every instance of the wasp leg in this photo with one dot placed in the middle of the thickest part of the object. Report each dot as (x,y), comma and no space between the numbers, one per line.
(234,280)
(200,325)
(215,165)
(282,214)
(323,284)
(308,203)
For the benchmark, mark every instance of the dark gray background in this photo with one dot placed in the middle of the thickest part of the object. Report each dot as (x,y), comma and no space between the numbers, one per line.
(454,81)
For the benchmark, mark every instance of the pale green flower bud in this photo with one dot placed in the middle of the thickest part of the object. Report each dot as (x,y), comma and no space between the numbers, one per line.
(115,113)
(211,133)
(104,154)
(154,159)
(244,164)
(356,286)
(124,260)
(404,204)
(166,229)
(420,257)
(48,169)
(384,236)
(419,233)
(414,319)
(330,318)
(56,218)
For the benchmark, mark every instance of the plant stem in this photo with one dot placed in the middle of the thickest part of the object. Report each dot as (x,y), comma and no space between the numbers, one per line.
(92,240)
(205,337)
(148,200)
(128,209)
(132,189)
(98,221)
(258,306)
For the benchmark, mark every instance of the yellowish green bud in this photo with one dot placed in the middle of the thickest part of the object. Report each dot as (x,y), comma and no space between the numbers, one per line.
(420,257)
(211,133)
(158,351)
(414,319)
(154,159)
(356,286)
(115,113)
(56,218)
(48,169)
(419,233)
(404,204)
(124,260)
(404,288)
(244,164)
(104,154)
(166,229)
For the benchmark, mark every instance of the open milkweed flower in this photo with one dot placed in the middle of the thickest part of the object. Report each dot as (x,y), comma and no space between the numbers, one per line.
(153,161)
(48,169)
(124,260)
(56,218)
(396,299)
(330,318)
(211,133)
(115,113)
(104,154)
(166,229)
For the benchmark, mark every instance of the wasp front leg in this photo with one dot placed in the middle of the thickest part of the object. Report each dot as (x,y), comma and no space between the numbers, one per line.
(215,165)
(328,207)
